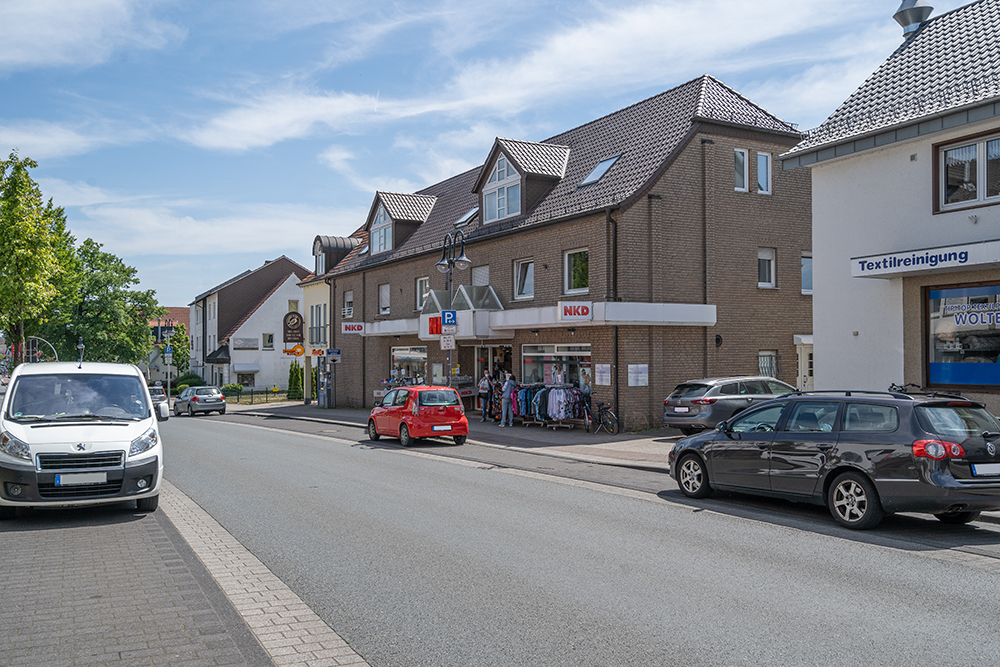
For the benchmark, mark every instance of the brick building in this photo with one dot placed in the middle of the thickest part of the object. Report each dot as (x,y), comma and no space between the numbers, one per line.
(645,248)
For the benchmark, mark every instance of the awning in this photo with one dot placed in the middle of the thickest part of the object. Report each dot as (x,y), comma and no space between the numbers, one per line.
(220,356)
(246,368)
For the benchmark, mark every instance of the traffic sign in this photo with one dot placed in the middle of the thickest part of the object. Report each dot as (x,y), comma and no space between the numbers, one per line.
(333,356)
(449,329)
(449,317)
(447,342)
(169,349)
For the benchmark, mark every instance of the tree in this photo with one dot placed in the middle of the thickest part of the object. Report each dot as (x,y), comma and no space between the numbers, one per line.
(294,380)
(182,348)
(28,257)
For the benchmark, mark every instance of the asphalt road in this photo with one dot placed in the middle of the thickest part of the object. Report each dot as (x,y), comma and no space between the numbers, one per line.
(446,555)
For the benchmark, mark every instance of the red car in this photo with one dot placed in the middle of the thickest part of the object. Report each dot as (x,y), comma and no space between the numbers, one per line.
(419,412)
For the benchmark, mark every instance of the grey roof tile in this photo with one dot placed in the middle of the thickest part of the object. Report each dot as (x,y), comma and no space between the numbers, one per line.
(951,61)
(407,206)
(539,159)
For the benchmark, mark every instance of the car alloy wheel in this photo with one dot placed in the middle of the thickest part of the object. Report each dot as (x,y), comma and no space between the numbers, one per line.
(692,478)
(372,433)
(854,502)
(190,411)
(404,436)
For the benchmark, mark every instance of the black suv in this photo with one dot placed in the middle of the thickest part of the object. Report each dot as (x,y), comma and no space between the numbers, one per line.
(862,454)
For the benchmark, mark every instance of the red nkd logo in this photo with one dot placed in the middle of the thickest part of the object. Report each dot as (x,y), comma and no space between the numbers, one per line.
(353,328)
(576,311)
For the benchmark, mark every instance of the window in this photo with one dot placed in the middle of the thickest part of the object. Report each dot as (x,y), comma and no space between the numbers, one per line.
(961,343)
(807,274)
(765,419)
(381,234)
(383,299)
(763,173)
(599,171)
(867,417)
(767,363)
(813,416)
(742,173)
(317,324)
(502,194)
(320,264)
(268,342)
(524,279)
(765,267)
(348,311)
(481,275)
(557,364)
(464,220)
(423,287)
(577,272)
(293,306)
(966,178)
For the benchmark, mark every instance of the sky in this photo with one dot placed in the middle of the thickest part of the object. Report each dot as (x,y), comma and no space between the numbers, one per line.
(197,139)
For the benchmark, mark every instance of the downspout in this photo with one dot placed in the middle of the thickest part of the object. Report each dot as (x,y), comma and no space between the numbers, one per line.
(614,297)
(330,372)
(704,246)
(364,341)
(204,336)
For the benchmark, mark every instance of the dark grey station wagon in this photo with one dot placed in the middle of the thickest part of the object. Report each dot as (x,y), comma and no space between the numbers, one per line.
(862,454)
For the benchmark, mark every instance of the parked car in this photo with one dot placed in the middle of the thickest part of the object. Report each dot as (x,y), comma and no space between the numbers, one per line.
(419,412)
(862,454)
(698,405)
(158,395)
(79,434)
(193,400)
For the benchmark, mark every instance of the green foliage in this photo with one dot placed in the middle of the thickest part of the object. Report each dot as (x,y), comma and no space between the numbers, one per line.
(232,389)
(295,381)
(189,380)
(182,387)
(182,348)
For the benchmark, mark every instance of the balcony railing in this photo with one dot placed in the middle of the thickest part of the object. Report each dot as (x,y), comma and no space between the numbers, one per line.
(347,312)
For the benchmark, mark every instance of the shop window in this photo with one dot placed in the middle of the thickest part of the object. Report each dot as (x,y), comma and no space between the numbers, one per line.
(767,363)
(524,279)
(741,171)
(408,364)
(502,194)
(348,311)
(765,267)
(970,173)
(964,342)
(763,173)
(557,364)
(383,299)
(807,274)
(423,288)
(576,272)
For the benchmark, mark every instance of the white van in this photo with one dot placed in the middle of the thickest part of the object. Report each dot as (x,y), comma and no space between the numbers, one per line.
(79,434)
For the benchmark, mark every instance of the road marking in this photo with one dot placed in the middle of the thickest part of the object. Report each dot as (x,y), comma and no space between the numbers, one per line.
(288,630)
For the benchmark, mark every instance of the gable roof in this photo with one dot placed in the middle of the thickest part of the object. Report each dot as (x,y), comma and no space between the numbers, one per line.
(254,309)
(404,207)
(644,135)
(298,270)
(951,63)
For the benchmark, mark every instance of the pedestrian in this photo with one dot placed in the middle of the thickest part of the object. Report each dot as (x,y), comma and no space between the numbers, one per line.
(484,393)
(506,401)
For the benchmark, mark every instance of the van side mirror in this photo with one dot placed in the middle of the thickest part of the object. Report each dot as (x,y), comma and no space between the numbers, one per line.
(162,412)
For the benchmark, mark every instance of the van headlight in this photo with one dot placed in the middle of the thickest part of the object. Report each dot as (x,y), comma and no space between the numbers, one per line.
(11,446)
(144,442)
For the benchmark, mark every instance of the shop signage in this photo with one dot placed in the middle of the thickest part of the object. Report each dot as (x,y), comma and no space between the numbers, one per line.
(926,260)
(434,325)
(245,343)
(576,311)
(353,327)
(297,351)
(293,328)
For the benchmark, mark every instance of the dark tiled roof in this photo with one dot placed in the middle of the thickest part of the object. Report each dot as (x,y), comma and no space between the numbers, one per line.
(951,61)
(407,207)
(536,159)
(232,331)
(644,135)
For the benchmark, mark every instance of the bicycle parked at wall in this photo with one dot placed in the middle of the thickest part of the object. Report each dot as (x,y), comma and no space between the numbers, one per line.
(606,419)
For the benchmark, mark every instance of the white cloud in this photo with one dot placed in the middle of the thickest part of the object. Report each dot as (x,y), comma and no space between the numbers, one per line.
(41,139)
(40,33)
(340,160)
(64,193)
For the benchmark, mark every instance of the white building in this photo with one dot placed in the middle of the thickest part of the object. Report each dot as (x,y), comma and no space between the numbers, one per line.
(906,214)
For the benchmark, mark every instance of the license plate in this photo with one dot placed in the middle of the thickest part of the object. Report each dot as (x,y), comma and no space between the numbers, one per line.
(682,409)
(986,469)
(82,478)
(441,428)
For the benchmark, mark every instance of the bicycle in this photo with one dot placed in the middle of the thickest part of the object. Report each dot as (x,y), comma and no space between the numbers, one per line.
(605,419)
(902,388)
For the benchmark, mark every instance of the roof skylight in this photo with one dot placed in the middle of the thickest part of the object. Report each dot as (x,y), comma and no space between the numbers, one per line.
(599,171)
(468,216)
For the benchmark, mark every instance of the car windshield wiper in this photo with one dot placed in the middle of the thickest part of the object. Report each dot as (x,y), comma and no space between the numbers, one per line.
(95,418)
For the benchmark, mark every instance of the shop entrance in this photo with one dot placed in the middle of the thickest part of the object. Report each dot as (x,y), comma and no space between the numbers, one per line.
(497,359)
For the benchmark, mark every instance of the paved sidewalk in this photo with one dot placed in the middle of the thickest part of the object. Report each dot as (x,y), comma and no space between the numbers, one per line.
(646,449)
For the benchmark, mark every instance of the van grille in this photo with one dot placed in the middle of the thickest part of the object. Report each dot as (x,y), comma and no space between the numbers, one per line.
(95,461)
(111,488)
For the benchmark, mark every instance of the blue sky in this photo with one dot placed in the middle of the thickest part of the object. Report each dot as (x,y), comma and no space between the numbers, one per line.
(196,139)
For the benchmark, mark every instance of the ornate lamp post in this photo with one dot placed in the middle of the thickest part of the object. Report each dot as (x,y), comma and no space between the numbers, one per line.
(452,257)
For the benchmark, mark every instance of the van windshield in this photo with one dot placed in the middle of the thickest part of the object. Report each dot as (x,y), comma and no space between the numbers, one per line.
(57,397)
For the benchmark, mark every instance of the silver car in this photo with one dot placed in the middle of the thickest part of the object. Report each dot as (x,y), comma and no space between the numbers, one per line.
(698,405)
(200,399)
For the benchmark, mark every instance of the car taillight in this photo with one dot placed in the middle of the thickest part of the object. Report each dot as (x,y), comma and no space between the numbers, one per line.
(937,449)
(704,401)
(194,399)
(415,410)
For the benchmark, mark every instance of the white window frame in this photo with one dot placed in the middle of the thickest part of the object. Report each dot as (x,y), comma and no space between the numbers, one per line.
(745,187)
(981,185)
(320,264)
(264,340)
(348,310)
(381,232)
(772,356)
(766,187)
(567,274)
(769,255)
(504,179)
(518,294)
(384,295)
(422,293)
(808,255)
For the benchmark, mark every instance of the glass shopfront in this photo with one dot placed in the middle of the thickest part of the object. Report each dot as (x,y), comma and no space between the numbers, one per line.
(556,364)
(964,336)
(408,363)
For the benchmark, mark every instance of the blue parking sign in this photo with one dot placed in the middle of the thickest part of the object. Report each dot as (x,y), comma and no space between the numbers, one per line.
(449,317)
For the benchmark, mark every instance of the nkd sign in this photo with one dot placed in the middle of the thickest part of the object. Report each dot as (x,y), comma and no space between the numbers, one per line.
(353,327)
(576,311)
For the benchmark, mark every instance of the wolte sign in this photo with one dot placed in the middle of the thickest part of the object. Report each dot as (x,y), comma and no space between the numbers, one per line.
(576,311)
(292,330)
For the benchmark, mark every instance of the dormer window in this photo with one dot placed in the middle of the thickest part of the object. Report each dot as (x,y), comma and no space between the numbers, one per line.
(381,233)
(320,264)
(502,194)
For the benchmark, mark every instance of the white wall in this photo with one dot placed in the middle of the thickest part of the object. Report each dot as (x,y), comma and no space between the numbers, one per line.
(871,202)
(274,364)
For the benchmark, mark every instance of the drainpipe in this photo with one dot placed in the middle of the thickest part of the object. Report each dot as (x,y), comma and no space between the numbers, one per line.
(331,297)
(614,297)
(204,336)
(704,244)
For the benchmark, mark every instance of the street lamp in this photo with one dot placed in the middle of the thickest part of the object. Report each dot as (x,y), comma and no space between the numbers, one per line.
(452,257)
(47,343)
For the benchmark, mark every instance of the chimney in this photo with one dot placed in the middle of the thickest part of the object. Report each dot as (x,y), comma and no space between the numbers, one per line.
(911,15)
